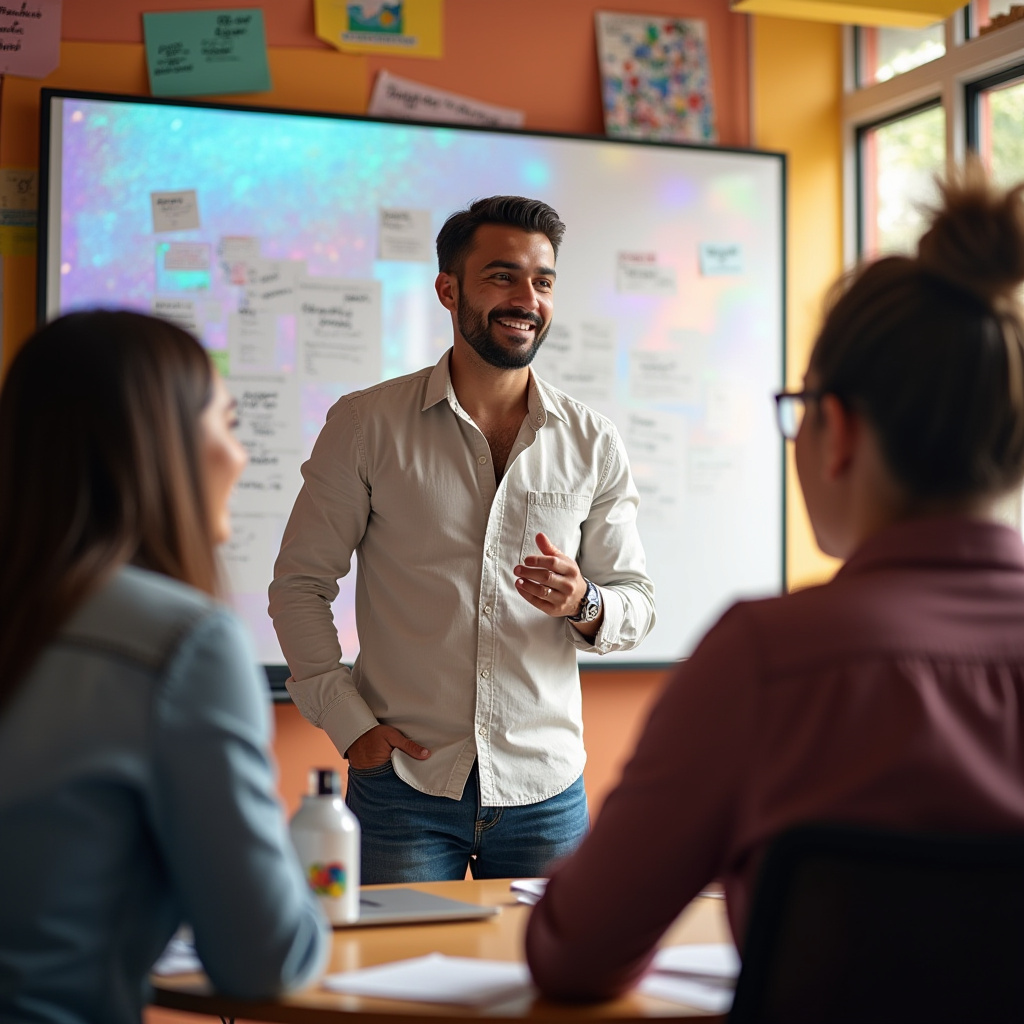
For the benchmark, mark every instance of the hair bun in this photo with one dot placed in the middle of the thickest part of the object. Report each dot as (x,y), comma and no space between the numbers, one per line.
(976,238)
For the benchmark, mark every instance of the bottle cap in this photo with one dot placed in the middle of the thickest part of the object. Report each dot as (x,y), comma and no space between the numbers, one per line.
(324,782)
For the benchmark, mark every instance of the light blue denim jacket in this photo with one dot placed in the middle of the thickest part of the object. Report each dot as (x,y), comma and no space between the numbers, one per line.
(135,793)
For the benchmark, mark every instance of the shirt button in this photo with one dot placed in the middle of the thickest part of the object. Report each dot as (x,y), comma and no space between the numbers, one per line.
(485,674)
(540,419)
(487,609)
(482,460)
(483,730)
(490,552)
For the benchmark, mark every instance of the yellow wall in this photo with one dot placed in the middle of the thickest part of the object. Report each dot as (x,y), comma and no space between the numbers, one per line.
(796,86)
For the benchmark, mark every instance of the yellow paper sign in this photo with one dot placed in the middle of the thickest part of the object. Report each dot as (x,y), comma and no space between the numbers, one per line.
(407,28)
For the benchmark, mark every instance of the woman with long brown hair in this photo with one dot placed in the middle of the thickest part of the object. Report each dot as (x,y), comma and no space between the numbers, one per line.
(136,790)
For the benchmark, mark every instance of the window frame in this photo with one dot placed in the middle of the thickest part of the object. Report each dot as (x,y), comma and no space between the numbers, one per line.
(954,80)
(944,81)
(860,184)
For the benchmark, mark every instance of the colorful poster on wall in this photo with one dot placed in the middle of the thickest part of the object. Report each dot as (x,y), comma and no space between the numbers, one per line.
(206,53)
(655,78)
(404,28)
(29,38)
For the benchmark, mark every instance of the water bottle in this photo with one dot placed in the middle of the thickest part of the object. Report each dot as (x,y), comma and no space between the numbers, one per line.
(325,834)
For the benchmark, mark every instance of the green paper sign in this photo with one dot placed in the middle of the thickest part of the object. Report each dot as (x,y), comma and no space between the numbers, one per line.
(202,53)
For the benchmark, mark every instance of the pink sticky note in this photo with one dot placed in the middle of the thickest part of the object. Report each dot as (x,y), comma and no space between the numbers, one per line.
(29,37)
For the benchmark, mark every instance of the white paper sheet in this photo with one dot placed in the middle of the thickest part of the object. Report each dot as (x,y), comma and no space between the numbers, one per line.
(640,273)
(179,311)
(405,234)
(715,996)
(252,340)
(269,427)
(179,957)
(579,358)
(662,376)
(270,284)
(713,959)
(436,978)
(656,443)
(339,329)
(529,890)
(398,97)
(175,211)
(235,253)
(248,554)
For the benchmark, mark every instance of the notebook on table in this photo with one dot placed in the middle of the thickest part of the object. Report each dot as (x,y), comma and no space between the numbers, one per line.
(409,906)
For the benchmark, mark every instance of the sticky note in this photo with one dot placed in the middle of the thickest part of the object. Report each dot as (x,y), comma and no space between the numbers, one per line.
(192,53)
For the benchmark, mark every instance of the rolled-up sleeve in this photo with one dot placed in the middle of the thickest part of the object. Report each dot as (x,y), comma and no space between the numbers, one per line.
(612,557)
(325,526)
(257,926)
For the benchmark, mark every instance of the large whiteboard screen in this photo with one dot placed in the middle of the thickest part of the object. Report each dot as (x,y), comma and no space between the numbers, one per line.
(299,249)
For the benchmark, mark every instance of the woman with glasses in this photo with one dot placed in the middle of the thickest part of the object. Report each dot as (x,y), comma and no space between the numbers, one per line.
(892,696)
(136,789)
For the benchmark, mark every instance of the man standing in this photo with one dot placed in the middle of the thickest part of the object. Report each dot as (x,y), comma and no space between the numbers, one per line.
(494,523)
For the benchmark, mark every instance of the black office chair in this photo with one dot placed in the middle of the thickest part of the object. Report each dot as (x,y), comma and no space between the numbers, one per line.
(857,925)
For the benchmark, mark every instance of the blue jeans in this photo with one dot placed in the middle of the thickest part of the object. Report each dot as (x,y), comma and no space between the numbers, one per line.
(409,836)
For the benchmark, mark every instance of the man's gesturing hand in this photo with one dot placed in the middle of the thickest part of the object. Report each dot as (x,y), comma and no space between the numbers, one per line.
(373,748)
(551,581)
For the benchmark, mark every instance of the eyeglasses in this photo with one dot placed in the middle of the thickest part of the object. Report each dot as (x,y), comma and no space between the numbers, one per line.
(789,410)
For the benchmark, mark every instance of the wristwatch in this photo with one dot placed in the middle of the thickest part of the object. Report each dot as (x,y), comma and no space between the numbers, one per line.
(590,606)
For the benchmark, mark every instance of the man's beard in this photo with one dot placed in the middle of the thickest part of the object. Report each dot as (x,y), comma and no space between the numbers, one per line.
(478,332)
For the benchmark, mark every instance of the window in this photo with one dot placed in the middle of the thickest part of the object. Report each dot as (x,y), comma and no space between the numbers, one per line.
(883,53)
(995,123)
(916,102)
(898,163)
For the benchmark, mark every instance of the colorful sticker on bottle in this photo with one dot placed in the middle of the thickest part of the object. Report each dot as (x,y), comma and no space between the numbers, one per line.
(327,879)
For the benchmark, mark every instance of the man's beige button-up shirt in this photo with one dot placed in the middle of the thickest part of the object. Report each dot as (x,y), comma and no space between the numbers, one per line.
(450,653)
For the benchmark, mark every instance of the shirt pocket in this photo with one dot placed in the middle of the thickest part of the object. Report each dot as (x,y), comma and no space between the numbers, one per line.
(559,516)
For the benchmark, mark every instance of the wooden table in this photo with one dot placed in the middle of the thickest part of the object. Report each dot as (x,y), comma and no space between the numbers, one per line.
(497,938)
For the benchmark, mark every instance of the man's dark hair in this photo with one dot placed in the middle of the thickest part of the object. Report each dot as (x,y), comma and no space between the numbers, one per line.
(455,239)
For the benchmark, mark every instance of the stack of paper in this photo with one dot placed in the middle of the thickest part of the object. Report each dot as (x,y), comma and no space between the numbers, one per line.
(436,978)
(703,976)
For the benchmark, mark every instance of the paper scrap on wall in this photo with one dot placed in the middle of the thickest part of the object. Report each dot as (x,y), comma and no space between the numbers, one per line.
(405,235)
(656,443)
(339,329)
(662,376)
(269,428)
(398,97)
(205,53)
(579,358)
(181,312)
(641,274)
(30,37)
(252,340)
(175,211)
(402,28)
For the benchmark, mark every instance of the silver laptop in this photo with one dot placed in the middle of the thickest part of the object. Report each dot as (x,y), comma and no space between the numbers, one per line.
(409,906)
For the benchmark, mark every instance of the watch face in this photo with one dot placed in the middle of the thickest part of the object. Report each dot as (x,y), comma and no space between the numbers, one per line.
(591,606)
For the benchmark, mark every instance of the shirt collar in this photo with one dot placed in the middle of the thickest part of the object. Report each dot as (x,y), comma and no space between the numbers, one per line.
(541,400)
(944,541)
